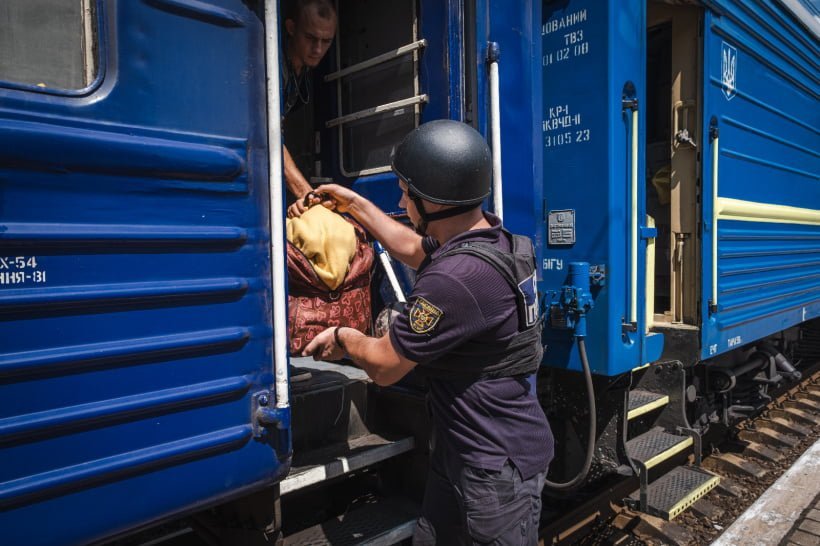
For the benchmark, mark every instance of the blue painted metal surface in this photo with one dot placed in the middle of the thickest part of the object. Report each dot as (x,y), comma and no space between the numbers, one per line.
(763,90)
(517,31)
(134,279)
(591,52)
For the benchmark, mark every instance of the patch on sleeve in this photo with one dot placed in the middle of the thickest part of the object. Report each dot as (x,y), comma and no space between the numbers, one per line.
(424,316)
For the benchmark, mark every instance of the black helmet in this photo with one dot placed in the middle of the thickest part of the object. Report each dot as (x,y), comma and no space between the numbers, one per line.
(445,162)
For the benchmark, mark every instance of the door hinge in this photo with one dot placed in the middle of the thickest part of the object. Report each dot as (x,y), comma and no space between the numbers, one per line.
(265,417)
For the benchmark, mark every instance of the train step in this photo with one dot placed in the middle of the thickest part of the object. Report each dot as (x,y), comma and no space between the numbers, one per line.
(379,522)
(319,465)
(674,492)
(329,406)
(642,402)
(655,446)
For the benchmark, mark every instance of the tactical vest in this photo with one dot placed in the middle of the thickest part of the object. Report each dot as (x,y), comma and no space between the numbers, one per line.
(520,355)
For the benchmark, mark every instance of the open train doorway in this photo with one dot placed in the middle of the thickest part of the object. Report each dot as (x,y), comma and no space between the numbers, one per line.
(673,151)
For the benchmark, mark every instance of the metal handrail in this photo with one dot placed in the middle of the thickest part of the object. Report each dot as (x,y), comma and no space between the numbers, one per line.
(380,109)
(276,207)
(715,212)
(493,54)
(379,59)
(633,251)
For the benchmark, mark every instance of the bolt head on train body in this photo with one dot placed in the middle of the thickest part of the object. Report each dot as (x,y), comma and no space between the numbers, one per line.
(663,156)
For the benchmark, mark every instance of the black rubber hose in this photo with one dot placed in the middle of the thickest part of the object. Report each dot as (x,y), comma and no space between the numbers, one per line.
(780,361)
(581,476)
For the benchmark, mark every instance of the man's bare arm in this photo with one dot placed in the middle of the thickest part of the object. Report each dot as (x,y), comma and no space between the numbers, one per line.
(376,356)
(294,180)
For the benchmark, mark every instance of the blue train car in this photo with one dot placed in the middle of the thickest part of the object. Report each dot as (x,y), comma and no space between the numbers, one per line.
(702,201)
(664,156)
(688,263)
(141,285)
(135,285)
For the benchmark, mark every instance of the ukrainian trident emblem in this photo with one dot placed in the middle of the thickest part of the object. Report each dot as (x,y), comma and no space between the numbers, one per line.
(728,70)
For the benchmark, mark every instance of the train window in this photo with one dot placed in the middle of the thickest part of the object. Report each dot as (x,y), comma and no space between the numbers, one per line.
(48,44)
(377,86)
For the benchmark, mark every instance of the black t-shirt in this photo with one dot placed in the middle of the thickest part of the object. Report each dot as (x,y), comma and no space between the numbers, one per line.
(458,304)
(298,120)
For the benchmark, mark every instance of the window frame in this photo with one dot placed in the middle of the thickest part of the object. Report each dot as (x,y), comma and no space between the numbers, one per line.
(94,44)
(414,48)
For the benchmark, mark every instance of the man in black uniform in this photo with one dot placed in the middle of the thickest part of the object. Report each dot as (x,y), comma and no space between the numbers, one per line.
(310,27)
(471,328)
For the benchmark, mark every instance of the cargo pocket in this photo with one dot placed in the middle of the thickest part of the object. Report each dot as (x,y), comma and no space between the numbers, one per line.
(509,525)
(493,510)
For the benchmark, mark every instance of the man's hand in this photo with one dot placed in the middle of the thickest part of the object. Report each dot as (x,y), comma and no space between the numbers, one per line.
(295,182)
(336,197)
(298,208)
(324,347)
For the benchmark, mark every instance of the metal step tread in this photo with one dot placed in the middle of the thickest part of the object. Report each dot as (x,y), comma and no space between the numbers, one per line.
(335,460)
(378,522)
(641,402)
(350,372)
(677,490)
(655,446)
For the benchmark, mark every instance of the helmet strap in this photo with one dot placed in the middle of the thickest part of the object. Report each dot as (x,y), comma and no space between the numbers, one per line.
(427,217)
(421,229)
(447,213)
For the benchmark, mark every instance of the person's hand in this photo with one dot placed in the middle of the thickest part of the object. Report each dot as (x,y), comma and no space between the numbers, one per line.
(297,209)
(336,197)
(324,347)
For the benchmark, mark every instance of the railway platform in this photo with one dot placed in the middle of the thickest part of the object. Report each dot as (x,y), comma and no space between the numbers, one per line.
(787,514)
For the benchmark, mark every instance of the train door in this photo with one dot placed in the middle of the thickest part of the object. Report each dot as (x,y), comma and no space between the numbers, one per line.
(135,327)
(672,183)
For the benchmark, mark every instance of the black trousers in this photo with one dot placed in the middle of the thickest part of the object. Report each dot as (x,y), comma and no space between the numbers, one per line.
(465,505)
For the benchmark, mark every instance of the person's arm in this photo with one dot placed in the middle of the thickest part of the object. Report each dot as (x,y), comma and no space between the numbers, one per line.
(295,182)
(376,356)
(401,242)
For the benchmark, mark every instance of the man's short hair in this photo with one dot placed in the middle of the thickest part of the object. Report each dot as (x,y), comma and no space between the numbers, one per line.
(324,9)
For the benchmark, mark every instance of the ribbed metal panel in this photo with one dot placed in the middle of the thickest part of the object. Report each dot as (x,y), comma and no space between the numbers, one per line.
(135,323)
(763,100)
(764,271)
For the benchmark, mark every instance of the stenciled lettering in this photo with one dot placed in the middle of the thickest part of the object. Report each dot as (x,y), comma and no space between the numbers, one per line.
(566,21)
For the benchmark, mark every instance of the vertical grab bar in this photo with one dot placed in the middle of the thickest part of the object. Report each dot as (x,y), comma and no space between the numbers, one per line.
(277,221)
(630,102)
(493,53)
(633,228)
(715,213)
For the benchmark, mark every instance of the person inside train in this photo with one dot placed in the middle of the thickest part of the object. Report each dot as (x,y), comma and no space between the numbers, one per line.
(309,30)
(310,27)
